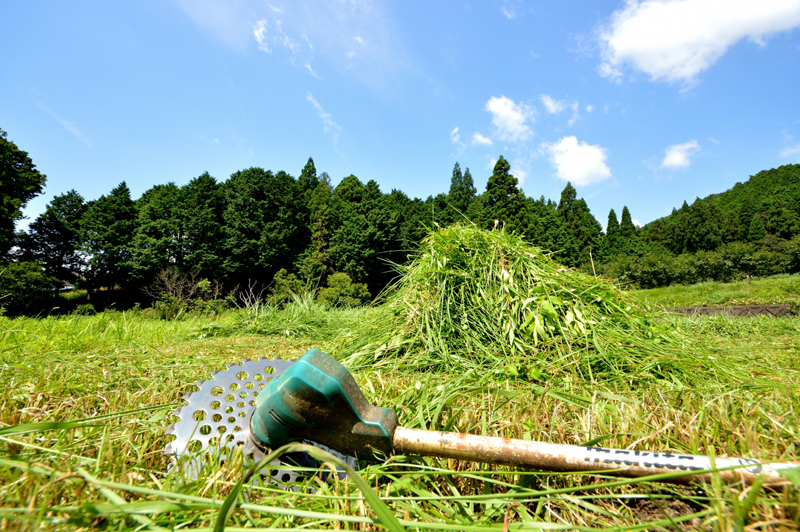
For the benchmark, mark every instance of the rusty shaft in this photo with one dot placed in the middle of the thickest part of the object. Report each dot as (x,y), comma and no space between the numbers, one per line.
(558,457)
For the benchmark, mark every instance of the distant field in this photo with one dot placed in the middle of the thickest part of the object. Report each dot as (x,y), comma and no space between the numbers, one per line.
(774,290)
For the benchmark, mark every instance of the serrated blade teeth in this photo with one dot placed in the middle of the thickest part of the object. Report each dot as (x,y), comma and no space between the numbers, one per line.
(246,360)
(187,396)
(215,372)
(168,449)
(229,365)
(170,431)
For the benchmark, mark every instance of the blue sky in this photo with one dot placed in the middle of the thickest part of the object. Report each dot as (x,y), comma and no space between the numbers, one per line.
(639,103)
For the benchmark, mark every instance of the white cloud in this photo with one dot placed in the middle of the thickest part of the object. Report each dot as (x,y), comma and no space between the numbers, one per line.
(454,136)
(480,140)
(578,162)
(310,31)
(66,124)
(575,115)
(509,118)
(509,9)
(589,108)
(553,106)
(637,223)
(519,173)
(308,67)
(674,40)
(328,125)
(792,150)
(677,155)
(260,34)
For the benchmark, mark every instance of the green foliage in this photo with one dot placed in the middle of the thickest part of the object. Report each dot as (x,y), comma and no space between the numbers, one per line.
(26,289)
(158,241)
(341,291)
(585,229)
(201,210)
(505,202)
(462,192)
(107,231)
(757,231)
(20,182)
(285,286)
(316,263)
(363,232)
(54,237)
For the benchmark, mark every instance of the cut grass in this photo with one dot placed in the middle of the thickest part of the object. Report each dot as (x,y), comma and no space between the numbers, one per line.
(119,375)
(489,302)
(774,290)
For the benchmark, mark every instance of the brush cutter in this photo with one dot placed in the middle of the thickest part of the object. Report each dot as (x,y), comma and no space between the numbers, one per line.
(265,404)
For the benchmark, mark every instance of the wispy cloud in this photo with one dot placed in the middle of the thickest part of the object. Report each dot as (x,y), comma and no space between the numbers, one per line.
(328,125)
(509,9)
(354,35)
(260,34)
(791,150)
(577,162)
(311,70)
(552,105)
(480,140)
(555,107)
(678,155)
(673,40)
(455,138)
(509,119)
(66,124)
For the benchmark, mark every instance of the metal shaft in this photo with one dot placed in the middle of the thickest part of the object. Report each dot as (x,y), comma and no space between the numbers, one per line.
(557,457)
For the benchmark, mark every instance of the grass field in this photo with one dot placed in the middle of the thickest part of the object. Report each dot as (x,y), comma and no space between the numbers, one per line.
(108,383)
(773,290)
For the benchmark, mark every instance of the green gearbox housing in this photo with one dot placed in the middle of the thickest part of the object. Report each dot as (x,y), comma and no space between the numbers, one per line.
(317,399)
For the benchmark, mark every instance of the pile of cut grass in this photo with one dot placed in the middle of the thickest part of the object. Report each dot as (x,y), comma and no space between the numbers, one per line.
(489,299)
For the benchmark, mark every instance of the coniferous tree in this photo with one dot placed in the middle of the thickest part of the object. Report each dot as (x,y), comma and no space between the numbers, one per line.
(585,229)
(627,229)
(107,230)
(308,178)
(263,225)
(462,192)
(547,230)
(53,238)
(158,241)
(612,235)
(316,264)
(350,249)
(201,210)
(504,200)
(20,182)
(703,232)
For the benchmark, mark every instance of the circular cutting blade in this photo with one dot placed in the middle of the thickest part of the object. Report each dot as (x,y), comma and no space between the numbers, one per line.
(216,422)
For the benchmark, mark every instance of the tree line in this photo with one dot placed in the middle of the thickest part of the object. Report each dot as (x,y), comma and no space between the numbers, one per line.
(288,232)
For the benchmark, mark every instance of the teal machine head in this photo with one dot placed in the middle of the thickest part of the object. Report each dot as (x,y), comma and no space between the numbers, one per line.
(317,399)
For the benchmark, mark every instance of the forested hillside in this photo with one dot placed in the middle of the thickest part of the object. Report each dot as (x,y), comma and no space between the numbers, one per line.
(274,234)
(750,230)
